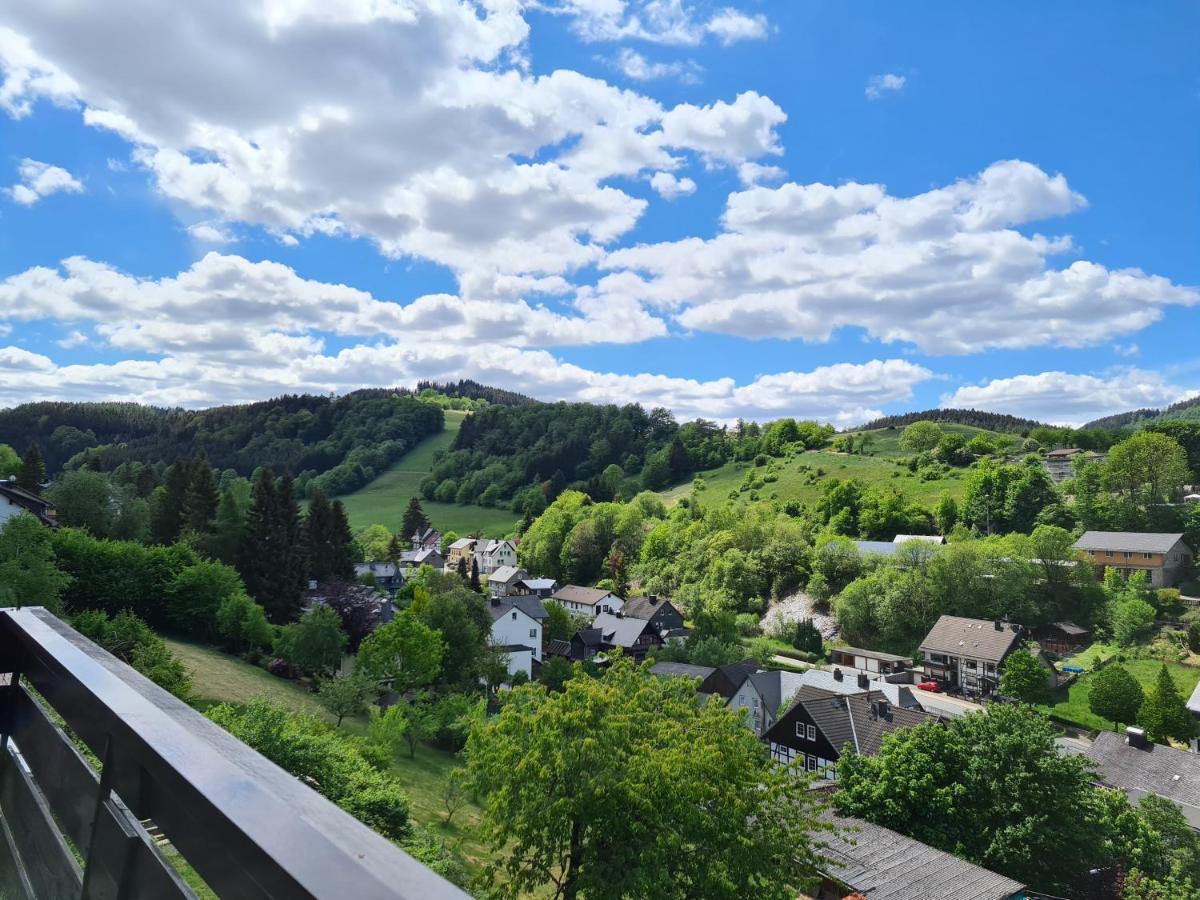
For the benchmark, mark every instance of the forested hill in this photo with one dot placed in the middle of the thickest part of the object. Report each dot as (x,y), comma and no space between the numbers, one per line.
(1184,409)
(989,421)
(342,440)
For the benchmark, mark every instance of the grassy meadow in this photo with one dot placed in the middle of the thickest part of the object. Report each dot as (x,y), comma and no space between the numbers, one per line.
(1071,705)
(384,500)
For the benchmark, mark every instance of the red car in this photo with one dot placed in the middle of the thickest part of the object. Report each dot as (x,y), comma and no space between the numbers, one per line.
(931,686)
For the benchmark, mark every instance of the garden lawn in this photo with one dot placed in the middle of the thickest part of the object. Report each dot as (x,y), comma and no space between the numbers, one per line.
(1072,705)
(383,501)
(220,678)
(1093,654)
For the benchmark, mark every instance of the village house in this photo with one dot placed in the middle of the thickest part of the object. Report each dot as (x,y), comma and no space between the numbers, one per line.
(761,695)
(681,670)
(636,637)
(537,587)
(864,860)
(1138,767)
(1063,638)
(586,601)
(1165,558)
(491,555)
(839,681)
(818,727)
(872,661)
(586,643)
(426,539)
(725,680)
(462,550)
(503,581)
(1060,464)
(15,500)
(517,631)
(662,614)
(966,655)
(386,576)
(414,559)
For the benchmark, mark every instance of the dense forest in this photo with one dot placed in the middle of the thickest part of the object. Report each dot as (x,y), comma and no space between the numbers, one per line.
(976,418)
(1184,409)
(338,443)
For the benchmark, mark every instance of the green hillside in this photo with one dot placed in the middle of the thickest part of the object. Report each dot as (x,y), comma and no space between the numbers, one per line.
(800,475)
(383,500)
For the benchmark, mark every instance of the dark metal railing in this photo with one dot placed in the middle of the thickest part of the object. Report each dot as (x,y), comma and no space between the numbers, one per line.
(74,828)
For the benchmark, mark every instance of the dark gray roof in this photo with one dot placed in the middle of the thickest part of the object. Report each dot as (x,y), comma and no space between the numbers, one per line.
(1069,628)
(531,606)
(515,648)
(591,637)
(620,631)
(558,648)
(642,608)
(852,719)
(1154,769)
(573,593)
(974,638)
(897,694)
(680,670)
(775,687)
(1136,541)
(537,584)
(886,865)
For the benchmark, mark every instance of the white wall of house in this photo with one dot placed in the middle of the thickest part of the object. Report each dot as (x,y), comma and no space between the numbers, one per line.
(503,554)
(747,699)
(8,509)
(824,768)
(520,661)
(610,604)
(515,627)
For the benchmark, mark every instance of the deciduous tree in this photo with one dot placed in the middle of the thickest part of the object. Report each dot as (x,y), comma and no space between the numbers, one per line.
(405,652)
(315,644)
(920,436)
(1115,695)
(561,775)
(345,696)
(28,573)
(1024,677)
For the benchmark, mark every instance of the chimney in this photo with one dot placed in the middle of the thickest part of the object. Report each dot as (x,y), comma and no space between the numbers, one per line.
(881,708)
(1135,737)
(837,674)
(653,600)
(999,625)
(863,681)
(495,601)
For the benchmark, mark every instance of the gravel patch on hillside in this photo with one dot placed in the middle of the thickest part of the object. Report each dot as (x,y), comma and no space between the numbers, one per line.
(799,606)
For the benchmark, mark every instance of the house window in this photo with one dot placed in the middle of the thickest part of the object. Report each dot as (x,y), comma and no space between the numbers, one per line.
(812,732)
(971,664)
(1147,556)
(1128,555)
(810,763)
(1108,554)
(533,632)
(514,616)
(799,729)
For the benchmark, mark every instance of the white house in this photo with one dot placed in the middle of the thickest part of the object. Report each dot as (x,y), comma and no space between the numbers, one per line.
(491,555)
(517,630)
(586,601)
(503,581)
(16,500)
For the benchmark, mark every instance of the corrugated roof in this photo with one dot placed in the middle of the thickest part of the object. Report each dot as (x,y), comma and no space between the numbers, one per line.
(886,865)
(973,638)
(886,548)
(1154,769)
(1135,541)
(680,670)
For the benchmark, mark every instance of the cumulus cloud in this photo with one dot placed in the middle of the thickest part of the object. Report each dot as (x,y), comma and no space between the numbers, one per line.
(74,339)
(947,271)
(633,65)
(880,85)
(1062,398)
(658,21)
(211,233)
(416,125)
(39,179)
(670,187)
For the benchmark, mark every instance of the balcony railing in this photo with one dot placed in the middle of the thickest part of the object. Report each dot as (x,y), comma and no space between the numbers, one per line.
(162,773)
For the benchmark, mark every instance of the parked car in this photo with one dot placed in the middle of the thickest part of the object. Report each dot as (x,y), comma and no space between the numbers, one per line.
(932,686)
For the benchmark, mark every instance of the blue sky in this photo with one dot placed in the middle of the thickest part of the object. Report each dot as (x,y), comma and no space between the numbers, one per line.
(756,209)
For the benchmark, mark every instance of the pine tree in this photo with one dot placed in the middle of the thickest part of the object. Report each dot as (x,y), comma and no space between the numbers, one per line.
(169,505)
(475,585)
(462,569)
(342,542)
(272,561)
(1164,714)
(260,522)
(292,561)
(394,550)
(414,519)
(328,540)
(203,497)
(33,470)
(230,528)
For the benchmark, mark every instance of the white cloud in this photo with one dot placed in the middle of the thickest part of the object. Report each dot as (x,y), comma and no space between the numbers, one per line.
(1061,398)
(730,26)
(669,187)
(633,65)
(211,233)
(416,125)
(880,85)
(946,270)
(74,339)
(658,21)
(39,179)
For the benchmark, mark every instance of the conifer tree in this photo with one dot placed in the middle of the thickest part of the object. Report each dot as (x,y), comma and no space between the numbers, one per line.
(230,528)
(328,538)
(203,497)
(414,519)
(475,585)
(272,560)
(33,469)
(462,569)
(169,505)
(395,549)
(1164,713)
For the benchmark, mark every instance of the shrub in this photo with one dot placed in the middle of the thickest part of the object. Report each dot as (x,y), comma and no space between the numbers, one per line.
(747,625)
